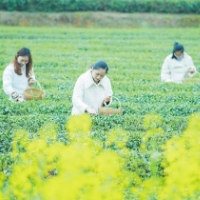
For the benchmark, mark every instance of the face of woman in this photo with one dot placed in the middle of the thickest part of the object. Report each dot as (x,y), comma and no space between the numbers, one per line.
(22,60)
(178,54)
(98,74)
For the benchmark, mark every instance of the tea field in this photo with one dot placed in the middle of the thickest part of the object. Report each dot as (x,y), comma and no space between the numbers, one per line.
(156,114)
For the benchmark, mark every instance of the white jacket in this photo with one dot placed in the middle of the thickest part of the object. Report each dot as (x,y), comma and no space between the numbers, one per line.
(13,82)
(176,71)
(89,94)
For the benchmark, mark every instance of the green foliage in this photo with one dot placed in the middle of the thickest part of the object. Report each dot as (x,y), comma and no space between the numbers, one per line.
(166,6)
(154,112)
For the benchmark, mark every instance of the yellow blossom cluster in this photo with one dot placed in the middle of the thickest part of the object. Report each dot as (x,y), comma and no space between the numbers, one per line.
(151,123)
(117,139)
(181,180)
(88,169)
(182,167)
(81,170)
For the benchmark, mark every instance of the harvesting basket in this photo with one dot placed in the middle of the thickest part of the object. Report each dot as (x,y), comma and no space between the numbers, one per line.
(111,111)
(192,80)
(34,93)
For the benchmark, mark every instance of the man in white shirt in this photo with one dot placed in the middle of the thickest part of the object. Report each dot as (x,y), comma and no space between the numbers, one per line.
(92,90)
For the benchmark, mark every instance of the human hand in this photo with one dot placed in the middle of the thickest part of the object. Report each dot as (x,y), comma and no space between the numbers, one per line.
(20,99)
(107,99)
(31,81)
(91,111)
(192,70)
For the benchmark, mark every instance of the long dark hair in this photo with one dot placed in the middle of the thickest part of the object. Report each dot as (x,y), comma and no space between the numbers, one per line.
(100,64)
(177,47)
(23,52)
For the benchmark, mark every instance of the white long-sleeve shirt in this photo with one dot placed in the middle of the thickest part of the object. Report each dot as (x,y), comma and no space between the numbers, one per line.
(176,71)
(12,82)
(89,94)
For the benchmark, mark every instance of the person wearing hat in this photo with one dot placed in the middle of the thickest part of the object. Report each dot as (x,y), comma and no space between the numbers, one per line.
(92,90)
(18,75)
(177,66)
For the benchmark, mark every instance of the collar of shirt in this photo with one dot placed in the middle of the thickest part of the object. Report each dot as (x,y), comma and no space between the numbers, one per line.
(89,80)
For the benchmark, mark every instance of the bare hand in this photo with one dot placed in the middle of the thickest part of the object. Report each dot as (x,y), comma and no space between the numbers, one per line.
(192,70)
(31,81)
(20,99)
(91,111)
(107,99)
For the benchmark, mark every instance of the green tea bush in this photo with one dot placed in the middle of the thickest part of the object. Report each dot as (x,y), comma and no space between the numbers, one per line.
(156,116)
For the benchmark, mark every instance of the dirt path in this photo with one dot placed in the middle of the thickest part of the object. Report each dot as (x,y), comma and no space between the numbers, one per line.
(98,19)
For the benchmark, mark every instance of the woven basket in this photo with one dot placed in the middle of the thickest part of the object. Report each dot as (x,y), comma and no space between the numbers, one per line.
(34,93)
(191,80)
(111,111)
(194,79)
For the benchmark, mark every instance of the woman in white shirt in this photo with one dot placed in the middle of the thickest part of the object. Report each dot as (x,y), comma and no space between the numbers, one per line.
(177,66)
(92,90)
(18,75)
